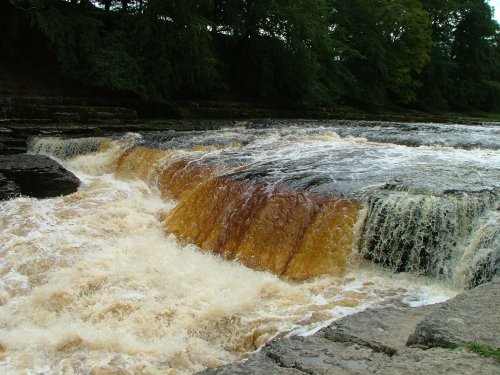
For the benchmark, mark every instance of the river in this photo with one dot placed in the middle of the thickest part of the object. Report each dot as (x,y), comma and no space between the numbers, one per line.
(186,250)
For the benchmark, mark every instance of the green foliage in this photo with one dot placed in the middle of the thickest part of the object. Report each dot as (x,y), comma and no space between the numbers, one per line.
(173,46)
(465,60)
(73,31)
(315,52)
(151,53)
(408,39)
(277,48)
(116,70)
(365,59)
(481,349)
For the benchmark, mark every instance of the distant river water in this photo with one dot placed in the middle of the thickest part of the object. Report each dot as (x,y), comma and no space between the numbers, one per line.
(183,251)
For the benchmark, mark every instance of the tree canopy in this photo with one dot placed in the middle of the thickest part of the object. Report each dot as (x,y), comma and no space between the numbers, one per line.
(433,53)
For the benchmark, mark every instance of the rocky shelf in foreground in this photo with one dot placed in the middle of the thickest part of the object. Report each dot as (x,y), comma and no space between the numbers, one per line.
(433,339)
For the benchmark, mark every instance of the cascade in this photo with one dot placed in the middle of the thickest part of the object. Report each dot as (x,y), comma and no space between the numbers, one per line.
(481,260)
(427,234)
(293,234)
(251,197)
(155,264)
(66,148)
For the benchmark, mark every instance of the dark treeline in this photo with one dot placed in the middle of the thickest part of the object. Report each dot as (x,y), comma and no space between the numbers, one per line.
(424,53)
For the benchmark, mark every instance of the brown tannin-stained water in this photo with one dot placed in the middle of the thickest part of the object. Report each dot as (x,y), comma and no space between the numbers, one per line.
(183,251)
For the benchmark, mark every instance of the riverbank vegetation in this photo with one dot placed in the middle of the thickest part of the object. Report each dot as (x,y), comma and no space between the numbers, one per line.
(423,54)
(484,350)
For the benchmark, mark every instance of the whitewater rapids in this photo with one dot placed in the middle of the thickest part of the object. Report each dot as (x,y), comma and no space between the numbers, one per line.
(91,284)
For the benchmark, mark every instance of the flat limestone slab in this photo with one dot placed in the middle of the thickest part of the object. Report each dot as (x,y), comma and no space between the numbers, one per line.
(312,355)
(472,316)
(258,364)
(317,355)
(385,330)
(308,355)
(438,361)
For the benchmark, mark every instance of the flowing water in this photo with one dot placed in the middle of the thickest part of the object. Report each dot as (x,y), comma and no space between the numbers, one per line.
(187,250)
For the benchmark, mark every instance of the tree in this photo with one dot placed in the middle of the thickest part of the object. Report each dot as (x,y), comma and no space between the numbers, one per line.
(314,52)
(149,52)
(464,56)
(173,45)
(436,76)
(408,41)
(357,24)
(274,48)
(473,52)
(389,43)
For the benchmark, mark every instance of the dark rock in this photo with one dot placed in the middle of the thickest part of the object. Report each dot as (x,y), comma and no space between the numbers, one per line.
(12,145)
(37,176)
(8,189)
(385,330)
(319,356)
(472,316)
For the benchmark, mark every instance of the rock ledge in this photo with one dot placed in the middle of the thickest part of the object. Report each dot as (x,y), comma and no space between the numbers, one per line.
(393,340)
(34,176)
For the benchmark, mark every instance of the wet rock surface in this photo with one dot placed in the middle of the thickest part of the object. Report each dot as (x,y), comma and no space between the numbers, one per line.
(8,189)
(393,340)
(308,355)
(35,176)
(384,330)
(316,355)
(470,317)
(259,364)
(439,361)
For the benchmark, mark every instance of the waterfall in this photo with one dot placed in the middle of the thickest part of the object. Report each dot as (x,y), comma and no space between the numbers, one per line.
(183,251)
(292,234)
(430,234)
(65,148)
(258,205)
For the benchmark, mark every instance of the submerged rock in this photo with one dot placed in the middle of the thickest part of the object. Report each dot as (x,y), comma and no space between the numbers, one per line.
(35,176)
